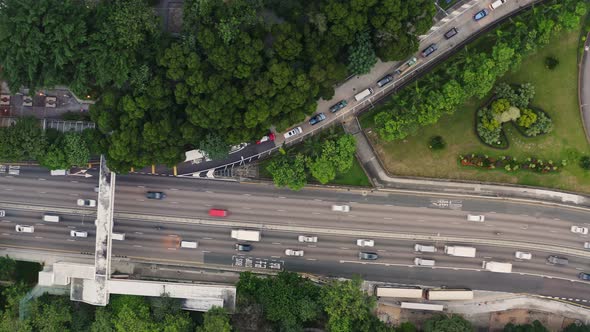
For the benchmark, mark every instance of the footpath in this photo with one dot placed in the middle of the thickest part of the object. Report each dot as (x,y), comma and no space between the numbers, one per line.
(584,87)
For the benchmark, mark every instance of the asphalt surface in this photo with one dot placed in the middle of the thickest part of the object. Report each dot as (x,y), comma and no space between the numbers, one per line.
(584,88)
(153,237)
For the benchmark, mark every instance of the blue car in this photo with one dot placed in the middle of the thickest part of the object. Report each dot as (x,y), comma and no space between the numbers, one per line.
(317,119)
(480,14)
(338,106)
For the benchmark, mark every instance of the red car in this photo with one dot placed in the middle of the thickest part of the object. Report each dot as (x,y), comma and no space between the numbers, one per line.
(269,137)
(218,213)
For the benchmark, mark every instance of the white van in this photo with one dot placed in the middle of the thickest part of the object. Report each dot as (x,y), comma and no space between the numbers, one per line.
(59,172)
(423,248)
(341,208)
(188,244)
(24,229)
(423,262)
(118,236)
(496,4)
(363,94)
(74,233)
(476,218)
(50,218)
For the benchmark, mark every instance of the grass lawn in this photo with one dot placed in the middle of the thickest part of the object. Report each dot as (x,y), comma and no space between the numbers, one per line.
(556,93)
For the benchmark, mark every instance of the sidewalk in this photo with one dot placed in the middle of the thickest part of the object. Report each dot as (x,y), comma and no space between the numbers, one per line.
(584,88)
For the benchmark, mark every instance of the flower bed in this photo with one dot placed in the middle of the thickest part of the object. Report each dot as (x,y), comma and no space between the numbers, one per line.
(511,164)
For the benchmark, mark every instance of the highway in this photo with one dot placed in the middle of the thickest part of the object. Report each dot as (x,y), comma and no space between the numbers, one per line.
(393,219)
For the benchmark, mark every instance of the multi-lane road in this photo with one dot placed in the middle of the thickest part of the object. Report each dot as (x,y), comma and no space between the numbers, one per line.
(396,221)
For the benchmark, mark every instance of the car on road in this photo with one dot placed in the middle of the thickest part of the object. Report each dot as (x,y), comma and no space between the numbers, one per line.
(86,202)
(238,147)
(341,208)
(480,14)
(155,195)
(217,213)
(385,80)
(424,248)
(317,119)
(586,245)
(368,256)
(293,132)
(429,50)
(2,213)
(294,252)
(496,4)
(476,218)
(556,260)
(75,233)
(338,106)
(243,247)
(451,33)
(523,255)
(579,230)
(584,276)
(268,137)
(24,229)
(365,243)
(306,238)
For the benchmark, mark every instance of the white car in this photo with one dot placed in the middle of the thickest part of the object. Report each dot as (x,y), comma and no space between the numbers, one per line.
(74,233)
(86,202)
(365,243)
(294,252)
(476,218)
(304,238)
(293,132)
(2,213)
(586,245)
(523,255)
(341,208)
(24,229)
(579,230)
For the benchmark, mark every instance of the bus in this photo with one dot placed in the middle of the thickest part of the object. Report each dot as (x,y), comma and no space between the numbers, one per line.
(407,292)
(423,306)
(449,294)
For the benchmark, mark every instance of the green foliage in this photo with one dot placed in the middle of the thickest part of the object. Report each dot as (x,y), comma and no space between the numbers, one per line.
(76,151)
(215,320)
(361,57)
(551,62)
(288,171)
(7,268)
(524,95)
(214,147)
(436,143)
(573,327)
(336,156)
(346,304)
(22,141)
(443,323)
(527,118)
(46,38)
(49,313)
(585,162)
(536,326)
(543,125)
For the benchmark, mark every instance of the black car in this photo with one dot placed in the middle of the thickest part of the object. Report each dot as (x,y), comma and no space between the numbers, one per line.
(385,80)
(584,276)
(556,260)
(243,247)
(155,195)
(317,119)
(371,256)
(429,50)
(451,33)
(338,106)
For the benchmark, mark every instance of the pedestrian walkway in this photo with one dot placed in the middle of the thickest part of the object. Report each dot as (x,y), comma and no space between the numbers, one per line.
(584,88)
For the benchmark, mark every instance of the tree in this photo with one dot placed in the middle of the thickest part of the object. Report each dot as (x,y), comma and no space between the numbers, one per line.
(7,268)
(444,323)
(536,326)
(22,141)
(585,162)
(527,118)
(543,125)
(551,62)
(46,38)
(346,304)
(361,56)
(524,95)
(288,171)
(102,321)
(214,147)
(165,305)
(573,327)
(436,143)
(215,320)
(322,169)
(50,313)
(75,149)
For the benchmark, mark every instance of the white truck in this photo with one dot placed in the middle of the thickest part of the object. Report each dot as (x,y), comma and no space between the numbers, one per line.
(460,251)
(497,267)
(245,235)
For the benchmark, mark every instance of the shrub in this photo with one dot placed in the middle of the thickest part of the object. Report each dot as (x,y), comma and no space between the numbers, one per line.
(551,62)
(527,118)
(436,143)
(585,162)
(543,125)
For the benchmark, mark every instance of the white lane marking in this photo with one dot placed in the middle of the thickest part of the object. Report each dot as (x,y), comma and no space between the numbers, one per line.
(387,218)
(311,259)
(141,200)
(171,248)
(208,191)
(524,227)
(41,179)
(275,256)
(39,224)
(420,219)
(556,219)
(279,210)
(71,227)
(140,233)
(205,251)
(140,186)
(173,235)
(5,234)
(492,211)
(38,237)
(488,257)
(315,213)
(524,215)
(174,189)
(73,194)
(317,200)
(388,205)
(71,240)
(277,243)
(455,223)
(138,246)
(312,246)
(6,221)
(351,215)
(41,192)
(282,197)
(247,208)
(74,181)
(381,250)
(246,194)
(207,238)
(174,202)
(489,225)
(344,248)
(553,231)
(579,269)
(208,205)
(8,189)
